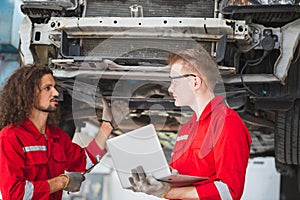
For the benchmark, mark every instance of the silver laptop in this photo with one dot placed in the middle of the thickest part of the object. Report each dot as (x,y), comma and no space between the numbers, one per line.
(141,147)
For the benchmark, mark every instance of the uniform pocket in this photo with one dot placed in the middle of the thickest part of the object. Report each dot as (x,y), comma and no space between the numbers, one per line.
(35,164)
(59,158)
(36,158)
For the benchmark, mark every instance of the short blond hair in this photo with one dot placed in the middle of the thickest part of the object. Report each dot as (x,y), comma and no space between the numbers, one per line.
(197,61)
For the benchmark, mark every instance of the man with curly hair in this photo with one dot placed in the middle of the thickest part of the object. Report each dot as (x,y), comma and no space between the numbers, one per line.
(34,154)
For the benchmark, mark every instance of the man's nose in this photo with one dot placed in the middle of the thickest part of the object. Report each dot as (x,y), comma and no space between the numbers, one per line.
(55,92)
(170,89)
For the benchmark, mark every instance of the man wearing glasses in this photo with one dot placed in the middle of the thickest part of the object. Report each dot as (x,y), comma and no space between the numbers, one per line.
(215,143)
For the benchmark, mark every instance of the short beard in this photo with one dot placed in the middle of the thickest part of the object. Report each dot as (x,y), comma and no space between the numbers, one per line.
(48,110)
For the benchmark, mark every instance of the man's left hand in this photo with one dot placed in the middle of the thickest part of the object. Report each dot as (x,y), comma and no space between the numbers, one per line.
(147,184)
(74,181)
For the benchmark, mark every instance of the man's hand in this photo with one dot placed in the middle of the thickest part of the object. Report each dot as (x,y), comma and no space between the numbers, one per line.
(148,184)
(107,114)
(74,181)
(115,113)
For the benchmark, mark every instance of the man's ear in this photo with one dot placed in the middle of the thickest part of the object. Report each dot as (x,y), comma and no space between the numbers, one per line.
(197,82)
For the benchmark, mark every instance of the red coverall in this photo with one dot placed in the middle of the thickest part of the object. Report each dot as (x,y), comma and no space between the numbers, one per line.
(216,146)
(28,159)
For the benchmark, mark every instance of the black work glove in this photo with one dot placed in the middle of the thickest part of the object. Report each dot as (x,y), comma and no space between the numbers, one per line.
(148,184)
(74,181)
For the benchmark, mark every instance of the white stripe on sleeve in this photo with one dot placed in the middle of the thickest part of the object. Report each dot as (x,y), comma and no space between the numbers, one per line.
(28,191)
(223,190)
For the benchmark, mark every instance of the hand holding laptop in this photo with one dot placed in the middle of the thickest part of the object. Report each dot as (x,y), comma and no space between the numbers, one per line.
(141,147)
(148,184)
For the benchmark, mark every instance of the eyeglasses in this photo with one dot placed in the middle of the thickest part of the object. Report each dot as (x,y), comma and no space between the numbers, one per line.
(181,76)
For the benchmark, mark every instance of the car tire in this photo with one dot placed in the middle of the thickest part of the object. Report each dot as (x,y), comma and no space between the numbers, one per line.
(287,142)
(287,137)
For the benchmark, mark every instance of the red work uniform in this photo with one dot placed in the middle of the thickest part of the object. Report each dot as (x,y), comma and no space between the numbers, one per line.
(28,160)
(216,146)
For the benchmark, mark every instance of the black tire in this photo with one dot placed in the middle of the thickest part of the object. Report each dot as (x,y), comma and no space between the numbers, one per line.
(287,142)
(287,137)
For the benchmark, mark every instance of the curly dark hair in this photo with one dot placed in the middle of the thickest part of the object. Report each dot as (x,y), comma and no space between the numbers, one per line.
(18,95)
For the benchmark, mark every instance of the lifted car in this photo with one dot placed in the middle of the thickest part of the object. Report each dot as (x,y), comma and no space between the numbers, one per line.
(118,49)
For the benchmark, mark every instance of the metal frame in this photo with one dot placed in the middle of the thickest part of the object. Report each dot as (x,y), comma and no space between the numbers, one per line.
(200,29)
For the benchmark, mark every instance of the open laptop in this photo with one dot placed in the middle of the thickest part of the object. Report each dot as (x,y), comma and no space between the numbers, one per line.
(141,147)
